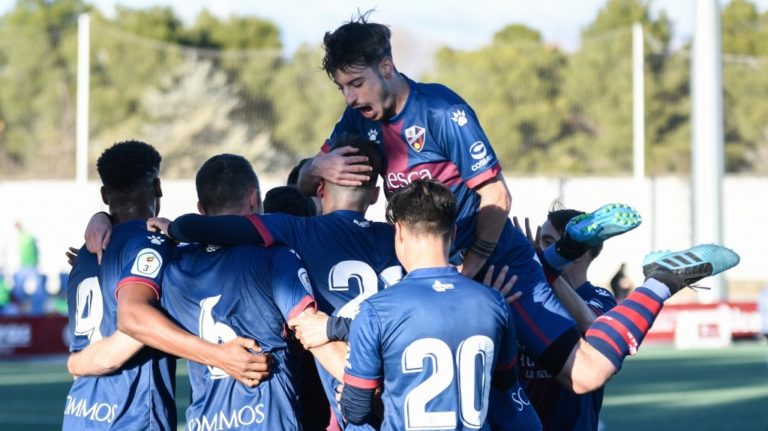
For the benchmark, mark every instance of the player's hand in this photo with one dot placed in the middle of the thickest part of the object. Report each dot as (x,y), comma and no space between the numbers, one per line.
(472,264)
(310,327)
(341,166)
(97,234)
(158,224)
(242,359)
(71,254)
(534,240)
(498,284)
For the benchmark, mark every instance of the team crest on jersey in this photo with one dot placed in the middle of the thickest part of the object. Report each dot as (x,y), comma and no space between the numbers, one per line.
(415,136)
(147,263)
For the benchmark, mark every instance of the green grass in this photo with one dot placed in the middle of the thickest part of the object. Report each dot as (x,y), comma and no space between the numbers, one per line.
(660,389)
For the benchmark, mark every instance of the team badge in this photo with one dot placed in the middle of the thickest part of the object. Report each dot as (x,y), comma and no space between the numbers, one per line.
(147,263)
(415,136)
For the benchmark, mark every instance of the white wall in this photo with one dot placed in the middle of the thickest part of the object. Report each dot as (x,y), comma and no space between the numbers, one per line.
(57,212)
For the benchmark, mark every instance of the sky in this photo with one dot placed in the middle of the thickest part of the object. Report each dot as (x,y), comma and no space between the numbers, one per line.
(461,24)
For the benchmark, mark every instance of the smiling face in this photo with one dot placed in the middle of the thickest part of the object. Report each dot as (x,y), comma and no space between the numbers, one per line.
(368,90)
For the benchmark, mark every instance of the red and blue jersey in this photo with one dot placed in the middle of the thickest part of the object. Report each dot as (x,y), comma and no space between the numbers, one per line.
(559,408)
(433,341)
(437,135)
(141,395)
(348,259)
(219,293)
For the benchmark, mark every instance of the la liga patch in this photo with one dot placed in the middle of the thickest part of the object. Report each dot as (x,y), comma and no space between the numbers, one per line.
(147,264)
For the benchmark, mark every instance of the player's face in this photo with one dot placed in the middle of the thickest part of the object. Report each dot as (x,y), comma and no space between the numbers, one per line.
(365,90)
(549,235)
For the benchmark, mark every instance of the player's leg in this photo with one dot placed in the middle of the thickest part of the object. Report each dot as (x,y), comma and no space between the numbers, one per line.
(618,332)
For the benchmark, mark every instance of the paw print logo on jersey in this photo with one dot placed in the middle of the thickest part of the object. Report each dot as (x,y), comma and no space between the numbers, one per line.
(459,117)
(372,135)
(156,240)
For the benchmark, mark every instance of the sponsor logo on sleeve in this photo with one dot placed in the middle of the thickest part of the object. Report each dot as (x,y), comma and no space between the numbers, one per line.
(459,117)
(479,153)
(415,136)
(304,278)
(147,264)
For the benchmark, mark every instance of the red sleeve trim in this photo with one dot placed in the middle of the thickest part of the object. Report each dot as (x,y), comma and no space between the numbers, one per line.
(326,148)
(483,177)
(261,228)
(360,382)
(305,303)
(603,336)
(138,280)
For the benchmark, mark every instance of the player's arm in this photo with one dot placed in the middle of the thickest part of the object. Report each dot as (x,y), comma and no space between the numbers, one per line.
(138,315)
(332,356)
(104,356)
(363,372)
(220,230)
(495,203)
(311,329)
(577,308)
(98,233)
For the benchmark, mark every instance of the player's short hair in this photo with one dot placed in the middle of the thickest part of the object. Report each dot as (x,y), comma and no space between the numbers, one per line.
(358,43)
(288,200)
(293,176)
(424,207)
(364,148)
(559,219)
(127,164)
(223,181)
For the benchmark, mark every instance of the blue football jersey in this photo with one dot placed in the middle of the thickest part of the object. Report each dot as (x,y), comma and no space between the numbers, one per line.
(437,135)
(559,408)
(348,259)
(141,395)
(433,340)
(219,293)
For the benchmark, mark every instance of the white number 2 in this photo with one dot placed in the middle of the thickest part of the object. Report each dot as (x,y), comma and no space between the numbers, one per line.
(215,332)
(89,309)
(439,353)
(339,280)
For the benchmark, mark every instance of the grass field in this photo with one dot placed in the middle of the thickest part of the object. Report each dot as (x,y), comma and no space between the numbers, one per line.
(661,389)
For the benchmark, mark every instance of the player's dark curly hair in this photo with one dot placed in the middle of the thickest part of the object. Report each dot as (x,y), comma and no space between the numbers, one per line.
(559,217)
(223,181)
(127,164)
(358,43)
(364,148)
(424,207)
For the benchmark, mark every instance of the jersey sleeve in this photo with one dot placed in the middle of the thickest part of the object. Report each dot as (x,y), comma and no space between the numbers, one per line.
(364,362)
(345,125)
(285,229)
(291,289)
(144,258)
(598,300)
(466,145)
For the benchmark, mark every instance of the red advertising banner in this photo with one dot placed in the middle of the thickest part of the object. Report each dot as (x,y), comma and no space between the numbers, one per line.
(30,336)
(744,319)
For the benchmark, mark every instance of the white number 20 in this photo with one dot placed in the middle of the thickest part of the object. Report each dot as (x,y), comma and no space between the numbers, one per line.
(438,352)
